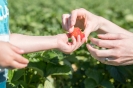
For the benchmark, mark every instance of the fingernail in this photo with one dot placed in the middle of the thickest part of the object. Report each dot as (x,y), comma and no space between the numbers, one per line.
(27,61)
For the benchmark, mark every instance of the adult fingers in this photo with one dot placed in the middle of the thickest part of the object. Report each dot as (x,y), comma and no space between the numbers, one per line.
(65,21)
(77,13)
(120,61)
(128,63)
(73,17)
(104,43)
(110,36)
(87,30)
(100,53)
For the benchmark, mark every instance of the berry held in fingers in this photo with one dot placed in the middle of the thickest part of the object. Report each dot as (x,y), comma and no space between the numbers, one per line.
(77,31)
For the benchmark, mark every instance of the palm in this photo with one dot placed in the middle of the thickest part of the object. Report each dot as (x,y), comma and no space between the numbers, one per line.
(80,22)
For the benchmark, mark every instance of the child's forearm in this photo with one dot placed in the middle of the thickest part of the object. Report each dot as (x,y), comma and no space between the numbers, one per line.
(33,43)
(109,27)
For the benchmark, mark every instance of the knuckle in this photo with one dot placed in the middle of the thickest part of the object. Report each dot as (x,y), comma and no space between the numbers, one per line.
(118,62)
(73,11)
(118,54)
(4,65)
(12,56)
(113,44)
(99,43)
(120,35)
(82,9)
(97,53)
(118,44)
(63,15)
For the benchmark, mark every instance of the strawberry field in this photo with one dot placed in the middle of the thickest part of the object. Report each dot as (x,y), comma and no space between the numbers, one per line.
(54,69)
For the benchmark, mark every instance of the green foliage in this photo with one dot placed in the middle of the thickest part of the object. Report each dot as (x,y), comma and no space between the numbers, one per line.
(52,68)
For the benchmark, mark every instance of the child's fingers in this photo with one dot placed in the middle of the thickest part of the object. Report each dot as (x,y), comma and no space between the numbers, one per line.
(17,50)
(18,65)
(21,59)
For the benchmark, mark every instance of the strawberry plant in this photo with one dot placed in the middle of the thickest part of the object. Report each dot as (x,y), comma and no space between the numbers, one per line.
(54,69)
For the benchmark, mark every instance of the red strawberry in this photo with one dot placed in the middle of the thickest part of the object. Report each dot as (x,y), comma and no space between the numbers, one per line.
(77,32)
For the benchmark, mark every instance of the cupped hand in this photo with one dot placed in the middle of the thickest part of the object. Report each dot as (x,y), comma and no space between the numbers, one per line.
(119,49)
(64,45)
(10,56)
(81,18)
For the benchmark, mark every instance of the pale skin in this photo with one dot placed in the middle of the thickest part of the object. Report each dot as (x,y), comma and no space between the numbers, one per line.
(117,41)
(10,54)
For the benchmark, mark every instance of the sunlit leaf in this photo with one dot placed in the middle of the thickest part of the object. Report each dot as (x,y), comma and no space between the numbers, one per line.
(49,83)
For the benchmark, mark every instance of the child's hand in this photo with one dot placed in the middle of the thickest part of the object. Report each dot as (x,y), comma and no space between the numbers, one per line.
(10,56)
(65,46)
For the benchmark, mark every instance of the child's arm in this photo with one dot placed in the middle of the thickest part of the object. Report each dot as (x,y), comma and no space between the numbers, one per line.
(38,43)
(33,43)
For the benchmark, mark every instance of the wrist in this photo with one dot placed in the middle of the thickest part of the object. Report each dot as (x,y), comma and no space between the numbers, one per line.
(58,39)
(53,42)
(101,22)
(101,25)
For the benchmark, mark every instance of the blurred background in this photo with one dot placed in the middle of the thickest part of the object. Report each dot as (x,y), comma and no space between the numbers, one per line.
(54,69)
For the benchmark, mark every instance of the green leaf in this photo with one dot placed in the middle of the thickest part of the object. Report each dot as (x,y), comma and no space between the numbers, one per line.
(38,66)
(71,58)
(50,54)
(107,84)
(18,74)
(116,73)
(94,74)
(53,69)
(90,83)
(49,83)
(46,69)
(40,86)
(10,75)
(10,85)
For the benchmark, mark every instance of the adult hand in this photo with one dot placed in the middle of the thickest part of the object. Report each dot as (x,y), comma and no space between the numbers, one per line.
(119,49)
(67,47)
(81,18)
(10,56)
